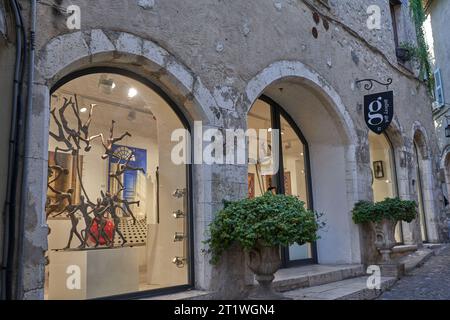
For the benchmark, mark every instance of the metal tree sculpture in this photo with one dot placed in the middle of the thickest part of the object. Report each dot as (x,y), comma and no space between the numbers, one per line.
(96,216)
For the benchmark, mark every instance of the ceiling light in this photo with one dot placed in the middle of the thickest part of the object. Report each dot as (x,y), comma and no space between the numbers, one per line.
(270,130)
(83,110)
(132,92)
(106,85)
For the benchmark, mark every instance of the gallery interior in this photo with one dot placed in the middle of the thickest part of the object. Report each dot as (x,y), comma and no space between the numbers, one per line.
(122,160)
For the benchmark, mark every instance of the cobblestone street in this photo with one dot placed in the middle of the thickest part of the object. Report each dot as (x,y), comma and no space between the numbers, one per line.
(429,282)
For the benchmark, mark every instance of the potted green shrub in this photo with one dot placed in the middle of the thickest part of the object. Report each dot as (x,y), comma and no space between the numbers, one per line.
(384,216)
(261,226)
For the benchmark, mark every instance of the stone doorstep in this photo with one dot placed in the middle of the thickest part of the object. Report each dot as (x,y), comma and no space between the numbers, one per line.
(416,259)
(323,282)
(349,289)
(185,295)
(285,280)
(314,275)
(405,248)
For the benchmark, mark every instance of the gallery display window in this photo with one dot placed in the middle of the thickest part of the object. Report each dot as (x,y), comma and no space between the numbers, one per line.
(118,208)
(384,176)
(292,162)
(419,191)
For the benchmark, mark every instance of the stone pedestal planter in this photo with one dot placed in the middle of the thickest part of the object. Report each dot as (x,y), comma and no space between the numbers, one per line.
(385,242)
(264,261)
(385,238)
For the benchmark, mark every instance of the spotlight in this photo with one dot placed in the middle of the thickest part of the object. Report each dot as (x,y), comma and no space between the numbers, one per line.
(132,92)
(83,110)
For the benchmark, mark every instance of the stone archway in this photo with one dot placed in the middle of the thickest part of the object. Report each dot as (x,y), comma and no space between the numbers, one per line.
(396,136)
(424,182)
(106,49)
(332,151)
(445,167)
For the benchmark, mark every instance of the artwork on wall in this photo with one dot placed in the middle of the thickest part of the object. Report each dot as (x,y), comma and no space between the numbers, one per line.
(271,184)
(131,161)
(67,181)
(287,183)
(378,169)
(251,185)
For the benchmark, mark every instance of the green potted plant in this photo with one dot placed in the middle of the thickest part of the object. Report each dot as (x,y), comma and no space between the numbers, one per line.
(260,226)
(384,216)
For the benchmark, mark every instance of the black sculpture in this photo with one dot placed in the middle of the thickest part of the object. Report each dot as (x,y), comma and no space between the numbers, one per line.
(105,210)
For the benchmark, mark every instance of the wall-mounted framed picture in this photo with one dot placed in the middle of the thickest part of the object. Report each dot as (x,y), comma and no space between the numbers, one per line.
(378,169)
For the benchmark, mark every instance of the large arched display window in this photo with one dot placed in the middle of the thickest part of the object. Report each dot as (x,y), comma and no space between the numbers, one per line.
(420,196)
(384,176)
(118,207)
(293,174)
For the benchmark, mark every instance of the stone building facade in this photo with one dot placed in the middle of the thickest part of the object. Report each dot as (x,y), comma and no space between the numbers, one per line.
(439,43)
(213,60)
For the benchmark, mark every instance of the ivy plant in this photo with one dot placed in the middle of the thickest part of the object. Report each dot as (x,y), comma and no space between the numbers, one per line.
(421,52)
(274,220)
(390,208)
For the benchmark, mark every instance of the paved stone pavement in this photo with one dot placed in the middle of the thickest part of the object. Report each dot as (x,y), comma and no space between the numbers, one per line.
(428,282)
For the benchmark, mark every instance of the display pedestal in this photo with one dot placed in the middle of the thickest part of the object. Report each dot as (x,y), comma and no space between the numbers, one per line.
(102,272)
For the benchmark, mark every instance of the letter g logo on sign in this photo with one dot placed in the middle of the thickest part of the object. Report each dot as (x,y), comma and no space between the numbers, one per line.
(375,112)
(379,111)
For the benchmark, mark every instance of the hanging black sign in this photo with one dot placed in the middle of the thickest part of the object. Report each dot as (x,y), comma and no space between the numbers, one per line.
(379,111)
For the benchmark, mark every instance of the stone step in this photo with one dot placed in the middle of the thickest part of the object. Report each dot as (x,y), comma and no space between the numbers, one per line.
(349,289)
(314,275)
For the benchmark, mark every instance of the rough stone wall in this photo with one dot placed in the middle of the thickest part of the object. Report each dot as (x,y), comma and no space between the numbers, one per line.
(223,45)
(7,57)
(439,12)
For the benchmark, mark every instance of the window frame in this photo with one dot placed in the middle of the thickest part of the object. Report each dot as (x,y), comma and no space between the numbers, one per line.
(276,113)
(189,178)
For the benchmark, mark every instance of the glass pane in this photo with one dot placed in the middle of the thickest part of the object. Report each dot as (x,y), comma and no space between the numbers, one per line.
(261,175)
(295,178)
(383,173)
(422,220)
(116,202)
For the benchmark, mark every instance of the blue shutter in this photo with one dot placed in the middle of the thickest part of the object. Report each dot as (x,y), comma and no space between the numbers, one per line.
(439,91)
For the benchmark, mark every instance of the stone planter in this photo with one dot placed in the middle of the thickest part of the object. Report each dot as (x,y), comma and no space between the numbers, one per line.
(403,54)
(385,238)
(264,261)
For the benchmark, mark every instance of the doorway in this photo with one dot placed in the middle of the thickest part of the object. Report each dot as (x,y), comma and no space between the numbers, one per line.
(293,174)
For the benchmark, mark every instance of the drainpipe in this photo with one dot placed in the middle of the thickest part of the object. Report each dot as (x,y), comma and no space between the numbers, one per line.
(27,159)
(9,209)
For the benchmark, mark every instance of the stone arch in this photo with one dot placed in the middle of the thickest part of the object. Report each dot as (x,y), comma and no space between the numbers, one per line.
(420,137)
(396,135)
(294,74)
(425,181)
(284,70)
(99,48)
(445,169)
(124,50)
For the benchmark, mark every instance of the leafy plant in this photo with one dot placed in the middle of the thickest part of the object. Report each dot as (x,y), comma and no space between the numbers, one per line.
(275,220)
(422,52)
(390,208)
(413,51)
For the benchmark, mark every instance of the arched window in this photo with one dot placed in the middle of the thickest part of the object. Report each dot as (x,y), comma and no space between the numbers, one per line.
(292,172)
(384,177)
(419,191)
(118,207)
